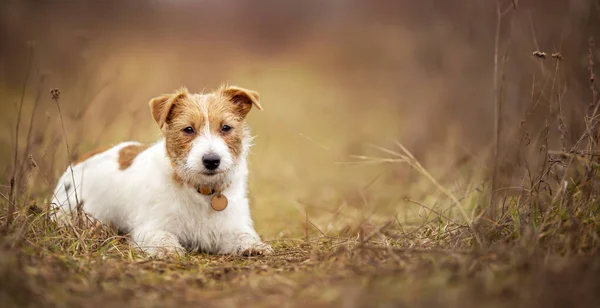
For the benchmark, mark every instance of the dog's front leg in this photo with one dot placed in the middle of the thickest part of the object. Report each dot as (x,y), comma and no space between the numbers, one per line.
(157,243)
(246,242)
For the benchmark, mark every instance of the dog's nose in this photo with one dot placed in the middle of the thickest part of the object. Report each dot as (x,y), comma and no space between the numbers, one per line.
(211,161)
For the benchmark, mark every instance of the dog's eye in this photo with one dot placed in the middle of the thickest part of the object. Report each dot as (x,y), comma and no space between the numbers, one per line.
(189,130)
(225,128)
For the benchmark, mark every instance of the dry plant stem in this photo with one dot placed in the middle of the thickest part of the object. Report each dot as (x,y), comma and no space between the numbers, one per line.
(500,101)
(306,226)
(408,158)
(413,162)
(431,210)
(55,98)
(594,100)
(589,135)
(561,122)
(416,250)
(13,188)
(366,239)
(537,46)
(491,209)
(31,122)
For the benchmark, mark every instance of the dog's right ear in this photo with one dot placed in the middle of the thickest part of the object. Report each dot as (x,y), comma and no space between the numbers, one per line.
(161,106)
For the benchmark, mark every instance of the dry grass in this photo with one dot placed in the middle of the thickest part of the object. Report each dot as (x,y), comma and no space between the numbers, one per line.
(352,224)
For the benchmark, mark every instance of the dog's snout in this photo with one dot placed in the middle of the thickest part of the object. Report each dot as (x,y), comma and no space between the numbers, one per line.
(211,161)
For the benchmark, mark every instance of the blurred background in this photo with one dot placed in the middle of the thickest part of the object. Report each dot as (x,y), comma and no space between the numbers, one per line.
(334,77)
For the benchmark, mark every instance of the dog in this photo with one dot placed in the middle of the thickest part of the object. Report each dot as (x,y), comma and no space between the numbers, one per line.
(187,191)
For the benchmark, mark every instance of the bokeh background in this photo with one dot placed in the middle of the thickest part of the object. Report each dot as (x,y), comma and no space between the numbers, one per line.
(334,77)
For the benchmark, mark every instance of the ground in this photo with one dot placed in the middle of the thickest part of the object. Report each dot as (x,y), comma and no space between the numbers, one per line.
(434,265)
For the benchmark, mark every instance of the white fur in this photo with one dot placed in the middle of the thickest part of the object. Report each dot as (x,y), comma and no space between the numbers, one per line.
(206,142)
(161,215)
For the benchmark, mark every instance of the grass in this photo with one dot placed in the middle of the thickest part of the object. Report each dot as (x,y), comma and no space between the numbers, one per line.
(356,217)
(435,264)
(537,254)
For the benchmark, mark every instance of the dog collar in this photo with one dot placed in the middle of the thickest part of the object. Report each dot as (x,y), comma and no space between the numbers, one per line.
(218,201)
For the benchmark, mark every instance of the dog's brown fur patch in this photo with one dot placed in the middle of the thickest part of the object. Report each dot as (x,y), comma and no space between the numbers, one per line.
(184,113)
(129,153)
(230,106)
(90,154)
(161,106)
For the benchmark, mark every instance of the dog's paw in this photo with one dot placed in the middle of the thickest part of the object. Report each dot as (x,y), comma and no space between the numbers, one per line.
(170,254)
(259,249)
(165,253)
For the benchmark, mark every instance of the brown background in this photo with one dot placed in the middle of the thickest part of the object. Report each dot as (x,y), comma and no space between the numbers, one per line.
(334,77)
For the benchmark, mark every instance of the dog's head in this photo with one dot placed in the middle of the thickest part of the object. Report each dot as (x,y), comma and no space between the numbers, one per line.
(205,134)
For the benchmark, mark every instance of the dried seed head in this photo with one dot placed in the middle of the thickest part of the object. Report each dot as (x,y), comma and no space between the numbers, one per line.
(557,56)
(55,93)
(540,54)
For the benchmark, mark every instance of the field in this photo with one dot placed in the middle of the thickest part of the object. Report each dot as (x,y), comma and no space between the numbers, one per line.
(411,155)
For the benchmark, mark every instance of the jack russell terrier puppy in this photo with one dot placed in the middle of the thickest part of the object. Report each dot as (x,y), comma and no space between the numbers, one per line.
(185,192)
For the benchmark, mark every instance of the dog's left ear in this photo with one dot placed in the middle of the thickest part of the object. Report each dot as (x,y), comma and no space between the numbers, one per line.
(244,99)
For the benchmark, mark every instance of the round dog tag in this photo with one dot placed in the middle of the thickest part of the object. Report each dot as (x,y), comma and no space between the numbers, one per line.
(218,202)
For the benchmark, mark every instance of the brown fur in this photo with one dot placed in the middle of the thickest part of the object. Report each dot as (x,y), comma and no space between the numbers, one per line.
(228,105)
(182,114)
(90,154)
(161,106)
(128,154)
(221,110)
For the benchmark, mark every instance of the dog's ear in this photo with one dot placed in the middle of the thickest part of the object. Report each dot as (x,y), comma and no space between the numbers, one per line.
(161,106)
(243,99)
